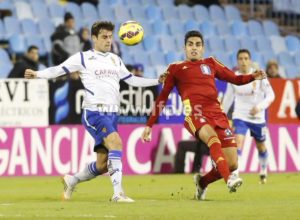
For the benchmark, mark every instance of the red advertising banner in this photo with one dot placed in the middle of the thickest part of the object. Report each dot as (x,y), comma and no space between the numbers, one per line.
(282,110)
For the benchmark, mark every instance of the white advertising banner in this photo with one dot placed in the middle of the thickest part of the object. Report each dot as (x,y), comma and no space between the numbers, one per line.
(24,103)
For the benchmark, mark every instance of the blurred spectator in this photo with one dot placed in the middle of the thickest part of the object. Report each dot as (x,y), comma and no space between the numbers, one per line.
(65,41)
(85,41)
(138,69)
(30,60)
(115,48)
(272,69)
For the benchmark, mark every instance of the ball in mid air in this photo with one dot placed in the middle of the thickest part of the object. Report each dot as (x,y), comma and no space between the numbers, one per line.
(131,33)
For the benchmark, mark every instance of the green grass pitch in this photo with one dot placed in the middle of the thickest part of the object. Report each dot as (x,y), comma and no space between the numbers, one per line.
(157,197)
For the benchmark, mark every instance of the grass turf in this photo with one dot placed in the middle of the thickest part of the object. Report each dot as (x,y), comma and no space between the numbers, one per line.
(157,197)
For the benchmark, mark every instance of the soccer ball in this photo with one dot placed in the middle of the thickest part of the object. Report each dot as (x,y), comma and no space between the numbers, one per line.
(131,33)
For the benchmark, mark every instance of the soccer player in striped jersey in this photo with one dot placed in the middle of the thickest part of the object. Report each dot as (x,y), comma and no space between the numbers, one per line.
(250,103)
(100,73)
(194,78)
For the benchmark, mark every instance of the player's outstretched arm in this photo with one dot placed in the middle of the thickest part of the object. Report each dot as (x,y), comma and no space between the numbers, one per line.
(143,82)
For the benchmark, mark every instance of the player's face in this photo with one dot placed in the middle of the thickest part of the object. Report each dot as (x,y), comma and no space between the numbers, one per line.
(244,62)
(103,41)
(194,48)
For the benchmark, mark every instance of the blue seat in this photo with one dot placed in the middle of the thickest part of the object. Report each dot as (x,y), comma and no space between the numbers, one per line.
(149,72)
(142,58)
(292,43)
(285,59)
(172,57)
(75,10)
(128,59)
(157,58)
(208,29)
(37,41)
(191,25)
(106,13)
(270,28)
(263,44)
(56,11)
(132,3)
(255,28)
(4,57)
(232,44)
(46,27)
(185,13)
(47,43)
(153,13)
(138,13)
(160,28)
(7,4)
(175,27)
(297,58)
(12,26)
(278,44)
(23,10)
(5,69)
(147,27)
(167,43)
(39,9)
(292,71)
(29,27)
(216,44)
(223,58)
(151,43)
(258,58)
(170,13)
(89,11)
(179,40)
(200,13)
(148,2)
(165,3)
(247,43)
(232,13)
(268,55)
(110,3)
(223,28)
(122,14)
(216,13)
(239,29)
(17,44)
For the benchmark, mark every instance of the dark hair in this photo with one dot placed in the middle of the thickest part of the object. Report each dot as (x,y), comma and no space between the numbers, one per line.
(98,25)
(32,47)
(193,33)
(68,16)
(243,51)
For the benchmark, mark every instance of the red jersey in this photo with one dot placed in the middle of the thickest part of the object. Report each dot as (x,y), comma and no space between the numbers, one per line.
(195,82)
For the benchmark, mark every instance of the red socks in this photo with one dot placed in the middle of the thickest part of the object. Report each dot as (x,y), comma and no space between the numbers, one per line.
(217,156)
(210,177)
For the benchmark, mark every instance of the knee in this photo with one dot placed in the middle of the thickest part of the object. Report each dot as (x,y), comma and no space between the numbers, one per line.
(102,167)
(113,142)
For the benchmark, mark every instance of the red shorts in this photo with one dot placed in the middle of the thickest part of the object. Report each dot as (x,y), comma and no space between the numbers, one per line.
(218,121)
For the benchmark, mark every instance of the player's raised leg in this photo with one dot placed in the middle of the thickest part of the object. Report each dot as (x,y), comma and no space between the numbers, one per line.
(113,142)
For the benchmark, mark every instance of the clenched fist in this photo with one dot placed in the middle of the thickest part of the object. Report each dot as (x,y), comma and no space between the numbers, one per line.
(30,74)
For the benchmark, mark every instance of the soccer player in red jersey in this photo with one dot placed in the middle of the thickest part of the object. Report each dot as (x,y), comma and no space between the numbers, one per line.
(195,81)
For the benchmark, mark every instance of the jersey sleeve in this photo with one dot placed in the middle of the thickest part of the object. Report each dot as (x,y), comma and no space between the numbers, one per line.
(225,74)
(269,95)
(72,64)
(162,98)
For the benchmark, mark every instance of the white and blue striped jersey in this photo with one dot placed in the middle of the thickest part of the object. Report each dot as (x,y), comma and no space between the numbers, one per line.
(100,74)
(258,93)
